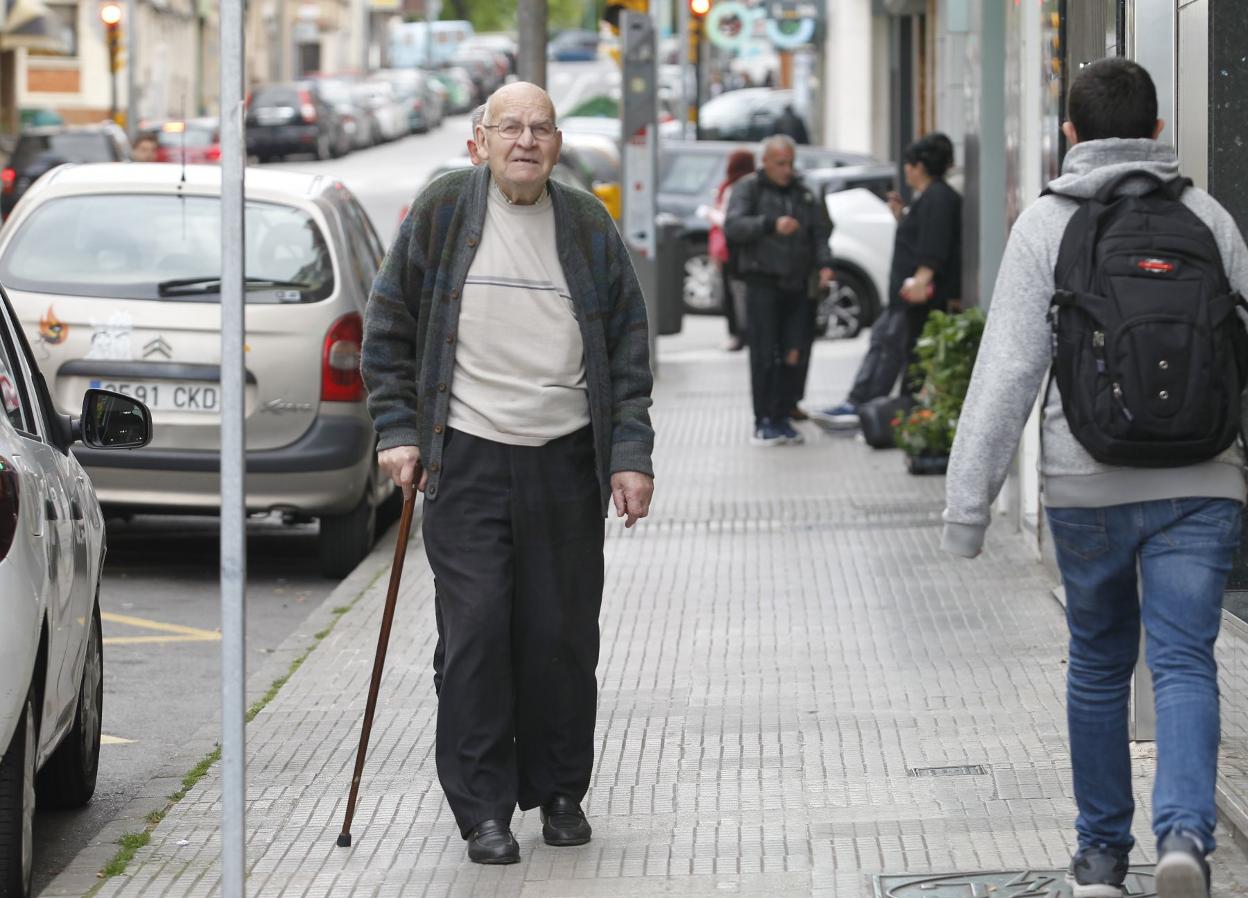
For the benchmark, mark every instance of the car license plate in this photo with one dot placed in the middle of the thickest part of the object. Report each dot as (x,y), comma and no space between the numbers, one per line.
(167,395)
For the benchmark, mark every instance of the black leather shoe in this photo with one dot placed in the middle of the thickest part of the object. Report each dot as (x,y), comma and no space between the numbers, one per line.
(492,843)
(564,823)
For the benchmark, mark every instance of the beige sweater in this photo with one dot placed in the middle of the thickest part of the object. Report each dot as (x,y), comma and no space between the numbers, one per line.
(520,363)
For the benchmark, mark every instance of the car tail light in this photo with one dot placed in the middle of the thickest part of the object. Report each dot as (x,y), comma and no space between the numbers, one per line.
(8,177)
(8,506)
(306,107)
(340,369)
(213,154)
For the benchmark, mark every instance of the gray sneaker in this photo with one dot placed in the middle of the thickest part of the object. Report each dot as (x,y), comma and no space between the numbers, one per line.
(1097,873)
(1182,871)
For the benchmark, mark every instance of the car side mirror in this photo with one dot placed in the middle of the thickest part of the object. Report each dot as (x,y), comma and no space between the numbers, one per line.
(113,421)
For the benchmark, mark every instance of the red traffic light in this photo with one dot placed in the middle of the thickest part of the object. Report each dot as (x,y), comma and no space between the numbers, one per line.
(699,7)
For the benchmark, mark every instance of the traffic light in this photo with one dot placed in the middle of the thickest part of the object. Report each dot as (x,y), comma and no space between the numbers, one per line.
(611,15)
(699,8)
(110,15)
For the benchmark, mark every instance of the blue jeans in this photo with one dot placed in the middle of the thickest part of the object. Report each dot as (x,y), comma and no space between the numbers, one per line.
(1182,550)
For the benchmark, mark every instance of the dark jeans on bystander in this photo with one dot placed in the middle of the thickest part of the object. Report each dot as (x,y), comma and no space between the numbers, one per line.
(779,323)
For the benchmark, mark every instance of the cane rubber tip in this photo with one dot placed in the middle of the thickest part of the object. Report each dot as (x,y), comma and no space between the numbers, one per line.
(344,840)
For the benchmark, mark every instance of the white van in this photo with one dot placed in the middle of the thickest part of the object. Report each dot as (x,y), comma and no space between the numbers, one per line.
(409,45)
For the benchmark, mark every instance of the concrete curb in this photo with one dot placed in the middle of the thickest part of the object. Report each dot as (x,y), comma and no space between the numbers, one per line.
(82,873)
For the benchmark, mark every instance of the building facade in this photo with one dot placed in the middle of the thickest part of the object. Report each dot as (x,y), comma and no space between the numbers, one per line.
(170,62)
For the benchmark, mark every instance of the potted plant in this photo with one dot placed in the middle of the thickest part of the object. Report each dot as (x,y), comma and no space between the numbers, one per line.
(945,359)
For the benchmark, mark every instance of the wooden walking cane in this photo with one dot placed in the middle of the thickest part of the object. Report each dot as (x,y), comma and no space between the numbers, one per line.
(383,640)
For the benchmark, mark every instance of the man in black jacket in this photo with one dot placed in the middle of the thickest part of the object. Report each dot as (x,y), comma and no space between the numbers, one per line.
(778,229)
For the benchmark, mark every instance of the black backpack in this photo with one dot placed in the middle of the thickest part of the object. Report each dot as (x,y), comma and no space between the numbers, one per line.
(1148,351)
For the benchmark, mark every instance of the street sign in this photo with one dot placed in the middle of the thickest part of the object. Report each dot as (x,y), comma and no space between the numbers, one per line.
(782,10)
(640,132)
(639,127)
(787,24)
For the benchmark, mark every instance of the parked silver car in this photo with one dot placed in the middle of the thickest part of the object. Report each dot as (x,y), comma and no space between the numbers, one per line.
(51,556)
(115,273)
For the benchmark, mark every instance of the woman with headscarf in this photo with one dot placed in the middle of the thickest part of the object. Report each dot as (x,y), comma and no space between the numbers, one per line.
(740,164)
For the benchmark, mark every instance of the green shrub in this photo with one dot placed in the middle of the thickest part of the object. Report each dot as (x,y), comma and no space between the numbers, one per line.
(946,357)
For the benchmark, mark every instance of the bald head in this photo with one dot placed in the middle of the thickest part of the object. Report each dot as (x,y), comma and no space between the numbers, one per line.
(519,140)
(517,95)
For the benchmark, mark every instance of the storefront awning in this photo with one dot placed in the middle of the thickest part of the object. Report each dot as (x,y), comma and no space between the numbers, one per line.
(30,24)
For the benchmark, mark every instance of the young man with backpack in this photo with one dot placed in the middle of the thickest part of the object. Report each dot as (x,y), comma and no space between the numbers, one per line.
(1122,279)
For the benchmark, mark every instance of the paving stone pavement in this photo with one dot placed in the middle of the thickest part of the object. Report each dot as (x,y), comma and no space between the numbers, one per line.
(786,656)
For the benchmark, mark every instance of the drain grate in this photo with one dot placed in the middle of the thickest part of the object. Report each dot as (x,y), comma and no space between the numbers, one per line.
(999,884)
(963,770)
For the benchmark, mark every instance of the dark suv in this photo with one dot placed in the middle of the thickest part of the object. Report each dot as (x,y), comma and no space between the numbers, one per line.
(294,118)
(39,150)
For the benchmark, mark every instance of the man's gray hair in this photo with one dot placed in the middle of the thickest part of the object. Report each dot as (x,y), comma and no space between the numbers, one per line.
(478,116)
(779,142)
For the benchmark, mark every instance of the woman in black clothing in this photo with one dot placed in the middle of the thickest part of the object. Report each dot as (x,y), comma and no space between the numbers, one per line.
(927,252)
(926,274)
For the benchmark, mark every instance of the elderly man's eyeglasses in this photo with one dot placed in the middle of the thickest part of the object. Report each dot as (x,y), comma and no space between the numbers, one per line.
(512,130)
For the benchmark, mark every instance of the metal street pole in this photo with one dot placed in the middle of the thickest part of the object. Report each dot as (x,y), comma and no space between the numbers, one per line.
(233,461)
(132,60)
(532,32)
(696,110)
(686,74)
(431,13)
(640,157)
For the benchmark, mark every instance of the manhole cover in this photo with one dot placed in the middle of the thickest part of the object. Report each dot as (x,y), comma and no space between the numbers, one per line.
(964,770)
(1000,884)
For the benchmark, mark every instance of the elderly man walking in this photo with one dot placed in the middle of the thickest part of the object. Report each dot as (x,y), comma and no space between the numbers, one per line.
(506,354)
(778,230)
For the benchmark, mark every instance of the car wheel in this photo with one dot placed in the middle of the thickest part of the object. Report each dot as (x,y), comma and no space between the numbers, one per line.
(845,309)
(703,285)
(344,540)
(17,806)
(68,779)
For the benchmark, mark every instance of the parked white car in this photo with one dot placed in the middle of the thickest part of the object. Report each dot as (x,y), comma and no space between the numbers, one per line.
(862,244)
(382,101)
(51,557)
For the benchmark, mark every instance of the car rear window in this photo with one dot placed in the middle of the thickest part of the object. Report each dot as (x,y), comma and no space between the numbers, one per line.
(193,135)
(335,91)
(85,147)
(165,247)
(275,96)
(690,174)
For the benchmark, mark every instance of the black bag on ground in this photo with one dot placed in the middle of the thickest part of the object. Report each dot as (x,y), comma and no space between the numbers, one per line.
(1148,351)
(876,419)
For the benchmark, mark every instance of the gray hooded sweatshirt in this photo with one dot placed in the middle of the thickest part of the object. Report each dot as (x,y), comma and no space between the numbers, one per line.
(1013,362)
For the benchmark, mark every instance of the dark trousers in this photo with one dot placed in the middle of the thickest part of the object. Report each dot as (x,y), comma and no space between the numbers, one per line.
(885,358)
(779,321)
(515,540)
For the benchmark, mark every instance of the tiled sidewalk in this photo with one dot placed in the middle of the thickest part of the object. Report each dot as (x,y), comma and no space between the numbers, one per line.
(786,656)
